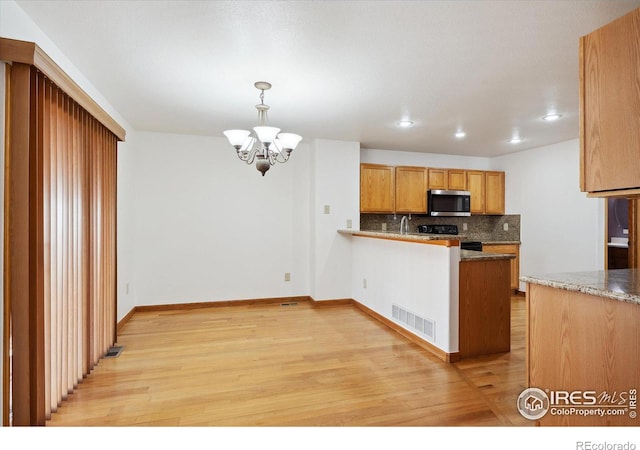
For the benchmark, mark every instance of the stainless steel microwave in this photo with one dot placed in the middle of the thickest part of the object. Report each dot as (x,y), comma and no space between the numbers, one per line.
(448,203)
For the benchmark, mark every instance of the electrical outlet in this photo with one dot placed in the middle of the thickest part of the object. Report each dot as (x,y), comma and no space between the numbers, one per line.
(625,231)
(384,227)
(364,283)
(505,227)
(287,276)
(349,223)
(327,209)
(464,227)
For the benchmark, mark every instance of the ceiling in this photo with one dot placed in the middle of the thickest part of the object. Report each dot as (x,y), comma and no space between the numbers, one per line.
(345,70)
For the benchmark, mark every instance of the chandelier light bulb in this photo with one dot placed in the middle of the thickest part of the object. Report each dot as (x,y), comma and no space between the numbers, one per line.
(237,137)
(266,134)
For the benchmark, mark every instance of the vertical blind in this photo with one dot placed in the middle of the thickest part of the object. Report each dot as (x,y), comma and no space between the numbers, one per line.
(75,163)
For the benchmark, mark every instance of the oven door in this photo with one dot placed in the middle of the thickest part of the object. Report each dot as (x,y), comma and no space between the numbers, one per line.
(449,203)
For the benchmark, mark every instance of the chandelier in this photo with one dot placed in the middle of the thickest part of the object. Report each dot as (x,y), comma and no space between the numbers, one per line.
(270,146)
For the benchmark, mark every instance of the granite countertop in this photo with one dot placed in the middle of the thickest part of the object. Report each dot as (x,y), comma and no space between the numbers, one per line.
(424,236)
(407,237)
(465,255)
(619,284)
(471,255)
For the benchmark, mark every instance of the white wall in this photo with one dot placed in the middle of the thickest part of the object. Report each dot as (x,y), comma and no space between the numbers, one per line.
(561,229)
(16,24)
(335,184)
(208,227)
(401,158)
(125,226)
(420,278)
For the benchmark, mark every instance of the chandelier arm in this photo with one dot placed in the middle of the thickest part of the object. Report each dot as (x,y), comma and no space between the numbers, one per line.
(282,157)
(248,156)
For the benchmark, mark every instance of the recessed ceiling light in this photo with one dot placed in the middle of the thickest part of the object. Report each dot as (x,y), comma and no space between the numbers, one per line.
(551,117)
(405,123)
(515,140)
(460,134)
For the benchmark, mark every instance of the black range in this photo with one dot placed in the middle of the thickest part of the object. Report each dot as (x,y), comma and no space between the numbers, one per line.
(452,230)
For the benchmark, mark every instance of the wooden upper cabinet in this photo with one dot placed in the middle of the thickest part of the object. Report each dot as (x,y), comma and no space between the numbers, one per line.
(457,179)
(476,185)
(377,188)
(438,178)
(610,107)
(411,189)
(494,195)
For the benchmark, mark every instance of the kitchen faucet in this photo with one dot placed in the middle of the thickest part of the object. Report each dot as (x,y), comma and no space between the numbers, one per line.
(404,225)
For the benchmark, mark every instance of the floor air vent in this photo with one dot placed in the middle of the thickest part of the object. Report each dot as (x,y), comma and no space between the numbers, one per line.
(423,326)
(113,352)
(289,304)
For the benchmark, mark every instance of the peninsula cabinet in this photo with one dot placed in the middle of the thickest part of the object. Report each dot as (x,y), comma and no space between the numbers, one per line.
(508,249)
(377,188)
(411,189)
(610,108)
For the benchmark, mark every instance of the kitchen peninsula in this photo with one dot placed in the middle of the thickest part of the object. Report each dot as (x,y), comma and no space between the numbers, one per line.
(583,335)
(455,303)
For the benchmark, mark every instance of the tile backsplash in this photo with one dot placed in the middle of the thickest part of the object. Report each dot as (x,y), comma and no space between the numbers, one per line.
(479,228)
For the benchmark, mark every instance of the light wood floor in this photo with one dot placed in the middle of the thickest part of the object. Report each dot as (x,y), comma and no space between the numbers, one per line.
(273,365)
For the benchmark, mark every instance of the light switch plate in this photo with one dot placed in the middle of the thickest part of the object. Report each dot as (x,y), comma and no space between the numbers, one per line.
(505,227)
(349,223)
(327,209)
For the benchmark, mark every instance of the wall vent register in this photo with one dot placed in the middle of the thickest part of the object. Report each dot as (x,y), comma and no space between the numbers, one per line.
(427,327)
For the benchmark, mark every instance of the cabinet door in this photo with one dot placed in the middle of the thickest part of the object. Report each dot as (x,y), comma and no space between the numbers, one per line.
(476,185)
(438,179)
(494,196)
(610,106)
(457,180)
(411,189)
(508,249)
(377,188)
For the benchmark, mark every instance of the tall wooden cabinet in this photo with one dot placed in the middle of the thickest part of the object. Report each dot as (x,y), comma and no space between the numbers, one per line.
(411,189)
(494,194)
(476,184)
(610,108)
(377,188)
